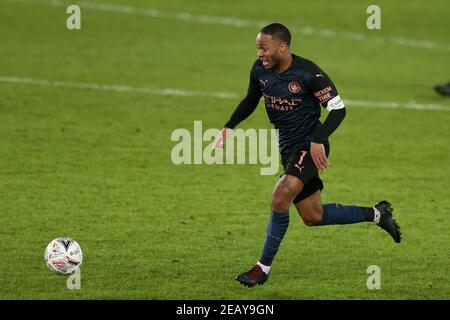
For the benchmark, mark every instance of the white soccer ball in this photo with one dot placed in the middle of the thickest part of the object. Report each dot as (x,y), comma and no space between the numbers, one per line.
(63,256)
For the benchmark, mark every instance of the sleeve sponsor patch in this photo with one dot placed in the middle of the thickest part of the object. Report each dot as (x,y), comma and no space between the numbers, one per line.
(335,103)
(324,94)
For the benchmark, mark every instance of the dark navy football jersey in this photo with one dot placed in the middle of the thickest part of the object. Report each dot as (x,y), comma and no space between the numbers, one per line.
(293,99)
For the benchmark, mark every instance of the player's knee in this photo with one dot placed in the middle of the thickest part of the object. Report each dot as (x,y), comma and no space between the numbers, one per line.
(312,221)
(313,218)
(280,202)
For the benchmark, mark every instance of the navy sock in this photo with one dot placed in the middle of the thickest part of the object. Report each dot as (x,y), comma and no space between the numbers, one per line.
(335,213)
(278,224)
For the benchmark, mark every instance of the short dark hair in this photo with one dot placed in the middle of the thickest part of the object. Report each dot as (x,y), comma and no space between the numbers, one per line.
(278,32)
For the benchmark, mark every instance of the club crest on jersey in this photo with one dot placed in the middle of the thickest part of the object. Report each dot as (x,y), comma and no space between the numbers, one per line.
(294,86)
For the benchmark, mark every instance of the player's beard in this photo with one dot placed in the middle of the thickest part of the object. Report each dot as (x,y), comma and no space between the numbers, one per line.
(275,62)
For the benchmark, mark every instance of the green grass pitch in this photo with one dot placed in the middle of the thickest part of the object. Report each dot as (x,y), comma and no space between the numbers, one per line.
(94,164)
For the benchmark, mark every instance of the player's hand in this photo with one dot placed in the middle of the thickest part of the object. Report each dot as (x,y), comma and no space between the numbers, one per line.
(319,156)
(222,137)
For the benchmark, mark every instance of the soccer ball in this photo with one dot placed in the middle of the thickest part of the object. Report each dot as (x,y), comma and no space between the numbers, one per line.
(63,256)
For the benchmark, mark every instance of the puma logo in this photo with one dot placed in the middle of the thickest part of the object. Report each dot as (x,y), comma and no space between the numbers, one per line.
(263,82)
(298,165)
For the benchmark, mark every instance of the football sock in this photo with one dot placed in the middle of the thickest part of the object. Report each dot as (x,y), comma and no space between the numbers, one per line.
(335,213)
(264,268)
(278,224)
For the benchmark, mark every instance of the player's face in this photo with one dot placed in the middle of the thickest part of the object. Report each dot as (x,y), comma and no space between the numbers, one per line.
(268,50)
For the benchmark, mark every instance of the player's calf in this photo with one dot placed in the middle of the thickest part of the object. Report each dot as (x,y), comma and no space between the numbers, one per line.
(311,216)
(312,221)
(310,210)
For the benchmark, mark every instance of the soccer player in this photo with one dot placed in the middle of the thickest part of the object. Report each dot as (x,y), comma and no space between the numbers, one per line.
(294,89)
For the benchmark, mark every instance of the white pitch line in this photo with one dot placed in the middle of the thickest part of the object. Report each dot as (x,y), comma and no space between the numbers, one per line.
(117,88)
(240,23)
(190,93)
(396,105)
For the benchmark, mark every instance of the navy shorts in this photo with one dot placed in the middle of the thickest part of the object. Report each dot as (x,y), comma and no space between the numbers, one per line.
(299,164)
